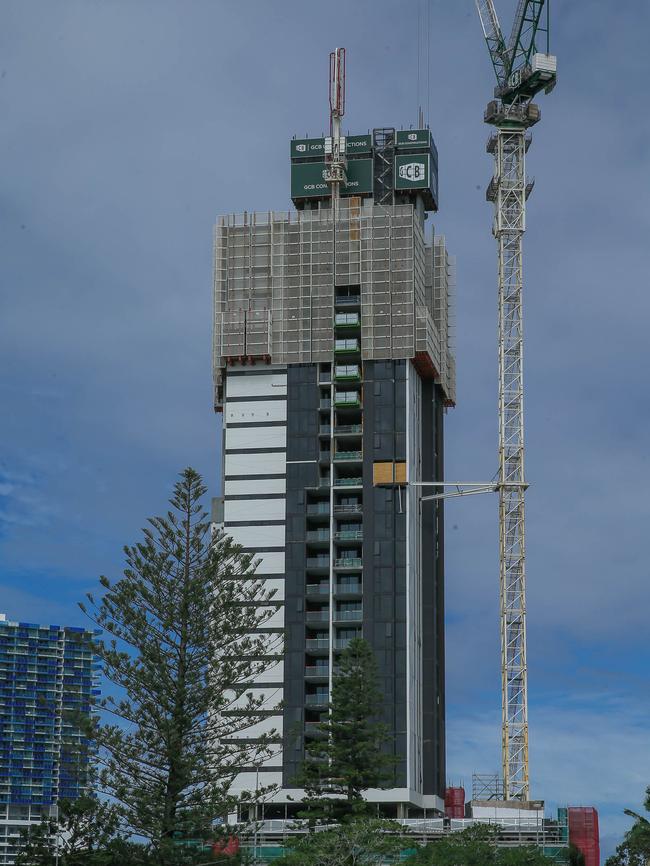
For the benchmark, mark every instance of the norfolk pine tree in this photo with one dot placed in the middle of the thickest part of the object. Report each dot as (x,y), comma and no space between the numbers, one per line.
(180,650)
(347,757)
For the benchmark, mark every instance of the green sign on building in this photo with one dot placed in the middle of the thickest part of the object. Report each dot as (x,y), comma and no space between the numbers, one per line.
(308,179)
(307,147)
(412,171)
(316,146)
(413,138)
(358,144)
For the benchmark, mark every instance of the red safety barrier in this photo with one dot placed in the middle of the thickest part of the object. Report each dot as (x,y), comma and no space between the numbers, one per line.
(455,802)
(583,832)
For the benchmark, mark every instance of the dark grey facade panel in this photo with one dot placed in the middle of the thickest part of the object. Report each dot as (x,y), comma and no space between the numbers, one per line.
(302,444)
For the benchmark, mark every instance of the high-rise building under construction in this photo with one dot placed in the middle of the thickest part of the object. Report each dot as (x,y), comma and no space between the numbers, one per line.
(333,372)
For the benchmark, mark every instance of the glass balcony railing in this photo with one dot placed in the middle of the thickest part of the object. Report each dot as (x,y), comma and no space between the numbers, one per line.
(349,615)
(318,508)
(348,455)
(348,509)
(317,643)
(318,589)
(317,535)
(317,671)
(354,481)
(348,562)
(325,404)
(342,642)
(349,535)
(325,430)
(349,588)
(347,300)
(313,729)
(320,700)
(317,616)
(344,429)
(318,562)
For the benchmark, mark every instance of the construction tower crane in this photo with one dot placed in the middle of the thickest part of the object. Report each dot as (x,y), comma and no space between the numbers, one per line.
(522,70)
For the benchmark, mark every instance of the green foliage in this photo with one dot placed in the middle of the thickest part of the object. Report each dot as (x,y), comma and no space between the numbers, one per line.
(180,651)
(347,758)
(366,841)
(635,848)
(476,846)
(85,833)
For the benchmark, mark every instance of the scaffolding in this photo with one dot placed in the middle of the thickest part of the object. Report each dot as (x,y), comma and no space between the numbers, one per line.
(276,276)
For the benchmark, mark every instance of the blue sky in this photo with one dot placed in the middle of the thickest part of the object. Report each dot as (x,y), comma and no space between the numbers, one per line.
(127,127)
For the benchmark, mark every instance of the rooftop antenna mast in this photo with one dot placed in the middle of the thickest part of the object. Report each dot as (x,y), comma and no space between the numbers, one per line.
(335,158)
(521,70)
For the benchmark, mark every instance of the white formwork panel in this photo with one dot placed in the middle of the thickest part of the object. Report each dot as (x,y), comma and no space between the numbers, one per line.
(255,411)
(255,486)
(257,385)
(255,464)
(253,438)
(256,536)
(254,509)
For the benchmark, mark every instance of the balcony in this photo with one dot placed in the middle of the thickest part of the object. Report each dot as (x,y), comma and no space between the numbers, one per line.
(350,456)
(313,729)
(347,429)
(316,535)
(342,643)
(349,535)
(348,615)
(324,482)
(324,430)
(319,672)
(320,700)
(352,481)
(343,347)
(324,456)
(318,508)
(343,589)
(317,644)
(347,320)
(318,563)
(348,509)
(348,562)
(317,616)
(325,404)
(347,399)
(317,589)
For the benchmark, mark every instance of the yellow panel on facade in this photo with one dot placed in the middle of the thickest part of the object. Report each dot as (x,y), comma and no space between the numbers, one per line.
(382,473)
(400,473)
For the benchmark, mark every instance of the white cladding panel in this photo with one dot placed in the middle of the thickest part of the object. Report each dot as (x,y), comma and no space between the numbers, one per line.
(271,698)
(270,563)
(259,486)
(254,509)
(256,536)
(273,674)
(256,437)
(274,583)
(251,781)
(255,411)
(255,464)
(254,385)
(267,725)
(276,620)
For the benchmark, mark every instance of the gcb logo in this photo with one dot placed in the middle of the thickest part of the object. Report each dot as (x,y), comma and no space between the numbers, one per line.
(301,148)
(413,171)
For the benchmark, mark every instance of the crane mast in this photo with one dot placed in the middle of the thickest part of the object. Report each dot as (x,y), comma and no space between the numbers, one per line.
(521,72)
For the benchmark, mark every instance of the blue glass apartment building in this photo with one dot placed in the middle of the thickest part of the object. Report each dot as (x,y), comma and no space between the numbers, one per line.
(47,675)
